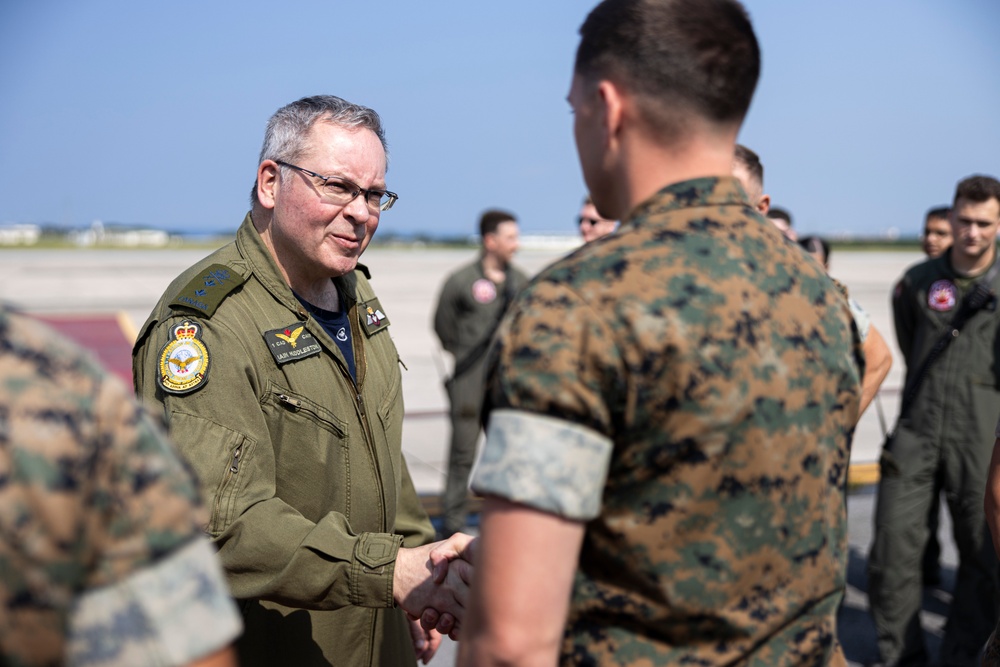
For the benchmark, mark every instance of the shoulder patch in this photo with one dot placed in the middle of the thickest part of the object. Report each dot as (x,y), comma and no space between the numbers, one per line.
(373,318)
(291,342)
(183,361)
(210,288)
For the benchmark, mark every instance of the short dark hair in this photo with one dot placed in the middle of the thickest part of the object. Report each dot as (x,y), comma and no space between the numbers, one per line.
(977,188)
(938,212)
(781,214)
(816,244)
(491,219)
(675,56)
(751,162)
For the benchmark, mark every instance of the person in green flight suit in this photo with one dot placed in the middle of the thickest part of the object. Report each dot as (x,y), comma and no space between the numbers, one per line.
(469,308)
(272,362)
(944,435)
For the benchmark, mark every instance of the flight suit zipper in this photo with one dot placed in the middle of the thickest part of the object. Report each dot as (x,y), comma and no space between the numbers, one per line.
(372,453)
(234,468)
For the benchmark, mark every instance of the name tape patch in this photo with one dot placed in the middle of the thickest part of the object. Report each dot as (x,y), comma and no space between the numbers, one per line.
(291,343)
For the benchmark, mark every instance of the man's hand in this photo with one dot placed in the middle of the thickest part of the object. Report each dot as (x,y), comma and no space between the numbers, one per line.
(423,582)
(425,642)
(458,545)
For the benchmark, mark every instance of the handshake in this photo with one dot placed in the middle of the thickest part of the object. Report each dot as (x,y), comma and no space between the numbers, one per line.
(431,584)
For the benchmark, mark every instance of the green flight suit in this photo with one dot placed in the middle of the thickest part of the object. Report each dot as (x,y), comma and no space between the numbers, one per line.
(302,469)
(468,311)
(947,435)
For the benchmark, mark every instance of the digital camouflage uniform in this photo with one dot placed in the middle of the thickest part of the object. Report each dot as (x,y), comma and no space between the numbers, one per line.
(687,387)
(945,437)
(102,561)
(310,495)
(468,311)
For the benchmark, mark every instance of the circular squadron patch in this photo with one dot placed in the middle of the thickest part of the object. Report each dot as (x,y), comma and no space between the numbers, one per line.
(941,296)
(183,363)
(484,291)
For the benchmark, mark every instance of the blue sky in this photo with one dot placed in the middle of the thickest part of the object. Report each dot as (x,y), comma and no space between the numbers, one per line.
(867,113)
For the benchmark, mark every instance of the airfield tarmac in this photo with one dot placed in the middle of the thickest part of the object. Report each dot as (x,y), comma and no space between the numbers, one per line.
(125,285)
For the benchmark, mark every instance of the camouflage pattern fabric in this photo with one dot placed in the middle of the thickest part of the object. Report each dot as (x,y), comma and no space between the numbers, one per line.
(708,378)
(99,520)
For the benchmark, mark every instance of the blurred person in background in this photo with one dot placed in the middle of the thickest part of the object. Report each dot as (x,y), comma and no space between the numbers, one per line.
(936,237)
(469,308)
(749,171)
(878,356)
(947,325)
(592,226)
(782,219)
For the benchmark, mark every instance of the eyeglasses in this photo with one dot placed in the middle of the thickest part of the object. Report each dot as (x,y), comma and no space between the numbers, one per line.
(342,191)
(589,221)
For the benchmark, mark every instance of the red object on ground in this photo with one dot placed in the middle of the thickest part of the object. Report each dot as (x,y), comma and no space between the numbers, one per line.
(104,335)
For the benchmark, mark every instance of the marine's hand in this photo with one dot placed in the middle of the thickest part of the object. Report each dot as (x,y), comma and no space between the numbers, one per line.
(425,642)
(458,545)
(415,591)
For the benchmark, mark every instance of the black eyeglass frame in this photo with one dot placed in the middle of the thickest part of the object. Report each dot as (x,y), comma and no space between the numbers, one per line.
(354,187)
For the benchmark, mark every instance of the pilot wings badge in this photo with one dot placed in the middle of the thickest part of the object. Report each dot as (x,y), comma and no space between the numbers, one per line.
(183,365)
(289,336)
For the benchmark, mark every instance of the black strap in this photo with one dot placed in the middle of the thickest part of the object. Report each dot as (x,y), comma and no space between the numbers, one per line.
(463,365)
(980,295)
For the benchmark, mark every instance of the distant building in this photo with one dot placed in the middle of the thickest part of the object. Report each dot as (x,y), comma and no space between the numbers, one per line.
(19,235)
(122,236)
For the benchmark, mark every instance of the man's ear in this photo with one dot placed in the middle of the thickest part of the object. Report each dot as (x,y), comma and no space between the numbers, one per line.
(764,204)
(612,109)
(267,183)
(489,242)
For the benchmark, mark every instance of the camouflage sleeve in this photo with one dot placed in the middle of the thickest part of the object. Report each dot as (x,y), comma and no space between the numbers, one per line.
(93,492)
(170,613)
(545,463)
(556,379)
(861,318)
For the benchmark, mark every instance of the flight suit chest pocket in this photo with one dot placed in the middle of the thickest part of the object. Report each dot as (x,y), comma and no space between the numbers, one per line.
(311,453)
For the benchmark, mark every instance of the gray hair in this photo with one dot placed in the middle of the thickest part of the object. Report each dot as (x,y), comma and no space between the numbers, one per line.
(288,128)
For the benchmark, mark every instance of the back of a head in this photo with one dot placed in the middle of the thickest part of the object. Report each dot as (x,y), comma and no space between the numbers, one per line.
(677,57)
(780,214)
(491,219)
(750,162)
(288,129)
(978,188)
(817,247)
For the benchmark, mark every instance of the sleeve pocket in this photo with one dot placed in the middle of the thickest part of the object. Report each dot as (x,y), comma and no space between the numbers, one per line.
(219,456)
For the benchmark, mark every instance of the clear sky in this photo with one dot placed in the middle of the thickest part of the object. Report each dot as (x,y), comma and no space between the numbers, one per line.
(867,113)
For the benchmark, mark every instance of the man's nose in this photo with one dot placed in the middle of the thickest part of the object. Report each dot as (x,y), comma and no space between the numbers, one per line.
(357,209)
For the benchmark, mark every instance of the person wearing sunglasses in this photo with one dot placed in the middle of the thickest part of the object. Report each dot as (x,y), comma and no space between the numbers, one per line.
(592,225)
